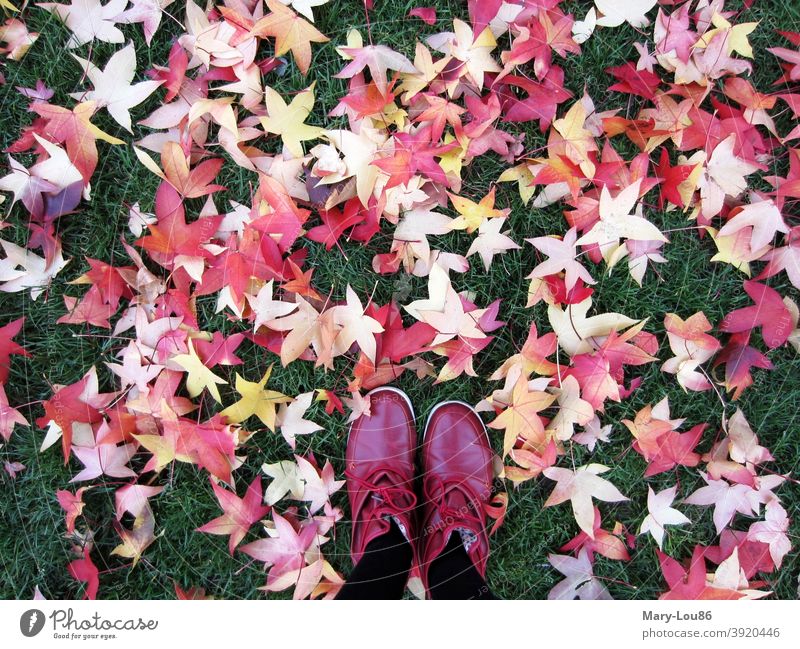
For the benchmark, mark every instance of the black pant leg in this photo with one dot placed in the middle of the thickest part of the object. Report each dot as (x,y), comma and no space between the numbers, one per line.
(452,574)
(382,572)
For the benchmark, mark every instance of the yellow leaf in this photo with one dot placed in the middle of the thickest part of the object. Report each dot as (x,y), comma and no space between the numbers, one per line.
(256,400)
(199,376)
(288,121)
(734,249)
(84,112)
(135,541)
(148,162)
(736,36)
(474,214)
(520,418)
(453,160)
(162,448)
(290,32)
(220,110)
(576,332)
(524,179)
(577,139)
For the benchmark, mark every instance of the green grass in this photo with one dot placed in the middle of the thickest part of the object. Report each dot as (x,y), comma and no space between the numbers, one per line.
(32,548)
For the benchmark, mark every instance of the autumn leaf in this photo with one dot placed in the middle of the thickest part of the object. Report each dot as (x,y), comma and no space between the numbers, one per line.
(290,32)
(239,513)
(579,487)
(770,313)
(285,549)
(735,36)
(8,347)
(743,442)
(76,131)
(471,214)
(319,485)
(608,544)
(661,514)
(727,500)
(562,257)
(286,479)
(136,539)
(725,176)
(520,419)
(572,409)
(473,50)
(616,12)
(72,504)
(576,332)
(112,85)
(425,14)
(288,121)
(146,12)
(304,328)
(444,310)
(378,58)
(773,531)
(726,583)
(104,459)
(84,570)
(190,183)
(256,400)
(617,221)
(763,217)
(88,20)
(579,582)
(578,141)
(291,421)
(354,326)
(198,376)
(490,241)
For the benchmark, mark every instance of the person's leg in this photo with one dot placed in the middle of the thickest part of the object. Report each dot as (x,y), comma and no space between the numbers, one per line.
(452,574)
(383,570)
(456,486)
(380,472)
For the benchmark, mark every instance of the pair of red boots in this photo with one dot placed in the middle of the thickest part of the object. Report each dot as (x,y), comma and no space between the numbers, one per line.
(455,485)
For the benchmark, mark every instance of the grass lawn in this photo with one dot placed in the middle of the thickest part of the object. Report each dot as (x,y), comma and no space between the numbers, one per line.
(33,550)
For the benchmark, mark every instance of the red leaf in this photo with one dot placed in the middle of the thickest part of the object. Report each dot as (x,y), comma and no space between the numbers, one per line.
(191,183)
(90,309)
(425,14)
(671,178)
(769,313)
(738,358)
(219,350)
(175,72)
(240,513)
(75,130)
(9,347)
(335,223)
(675,449)
(633,81)
(542,100)
(482,12)
(84,570)
(76,403)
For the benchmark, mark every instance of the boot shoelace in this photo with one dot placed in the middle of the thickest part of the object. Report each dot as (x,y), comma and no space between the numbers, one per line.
(473,522)
(396,499)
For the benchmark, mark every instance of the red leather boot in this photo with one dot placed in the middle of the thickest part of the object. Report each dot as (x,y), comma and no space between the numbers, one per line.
(456,483)
(380,469)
